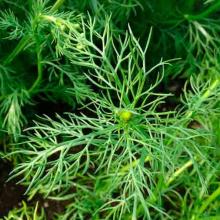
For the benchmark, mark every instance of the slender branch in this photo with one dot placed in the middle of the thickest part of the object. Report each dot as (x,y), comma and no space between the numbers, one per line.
(211,198)
(57,5)
(20,46)
(127,167)
(179,171)
(39,71)
(212,9)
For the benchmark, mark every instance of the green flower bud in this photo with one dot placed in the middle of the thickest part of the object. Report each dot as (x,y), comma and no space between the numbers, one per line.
(125,115)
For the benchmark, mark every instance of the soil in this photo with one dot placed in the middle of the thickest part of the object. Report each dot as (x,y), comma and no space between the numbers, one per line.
(12,195)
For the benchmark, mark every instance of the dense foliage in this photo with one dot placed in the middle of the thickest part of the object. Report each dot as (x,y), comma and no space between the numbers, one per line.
(112,106)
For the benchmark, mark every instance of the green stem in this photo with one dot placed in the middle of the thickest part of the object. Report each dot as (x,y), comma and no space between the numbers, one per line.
(179,171)
(212,9)
(20,46)
(211,88)
(35,217)
(39,71)
(127,167)
(57,5)
(211,198)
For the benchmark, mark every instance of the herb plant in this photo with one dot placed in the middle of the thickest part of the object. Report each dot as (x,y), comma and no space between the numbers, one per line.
(126,145)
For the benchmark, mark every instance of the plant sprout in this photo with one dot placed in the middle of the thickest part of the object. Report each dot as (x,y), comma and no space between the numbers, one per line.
(130,146)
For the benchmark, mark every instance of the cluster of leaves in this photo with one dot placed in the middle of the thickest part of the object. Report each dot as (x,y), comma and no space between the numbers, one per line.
(118,153)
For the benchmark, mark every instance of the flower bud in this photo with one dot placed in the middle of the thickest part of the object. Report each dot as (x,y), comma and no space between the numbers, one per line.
(125,115)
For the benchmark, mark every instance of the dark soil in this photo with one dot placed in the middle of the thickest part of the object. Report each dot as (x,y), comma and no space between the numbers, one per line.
(11,195)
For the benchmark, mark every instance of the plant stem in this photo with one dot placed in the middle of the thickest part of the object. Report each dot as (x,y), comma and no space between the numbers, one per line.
(124,169)
(211,88)
(57,5)
(211,198)
(20,46)
(212,9)
(39,71)
(179,171)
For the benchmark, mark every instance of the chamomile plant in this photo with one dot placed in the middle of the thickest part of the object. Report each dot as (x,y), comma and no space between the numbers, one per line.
(121,152)
(120,157)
